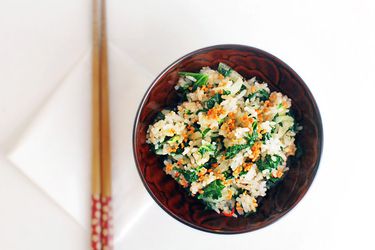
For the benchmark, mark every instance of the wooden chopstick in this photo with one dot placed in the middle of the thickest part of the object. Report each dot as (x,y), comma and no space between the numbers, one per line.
(104,112)
(95,175)
(101,158)
(105,159)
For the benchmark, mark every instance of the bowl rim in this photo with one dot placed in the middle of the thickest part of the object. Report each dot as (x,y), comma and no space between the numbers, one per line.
(233,47)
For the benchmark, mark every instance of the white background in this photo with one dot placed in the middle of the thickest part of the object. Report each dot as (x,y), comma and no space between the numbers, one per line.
(330,44)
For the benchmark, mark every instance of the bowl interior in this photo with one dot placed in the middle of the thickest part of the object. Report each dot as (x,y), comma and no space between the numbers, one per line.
(279,200)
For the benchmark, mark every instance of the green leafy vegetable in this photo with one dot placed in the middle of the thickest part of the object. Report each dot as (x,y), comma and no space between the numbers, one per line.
(272,182)
(201,82)
(174,139)
(294,128)
(215,138)
(262,94)
(269,162)
(227,173)
(159,116)
(189,176)
(167,138)
(207,165)
(206,148)
(157,148)
(201,110)
(233,150)
(188,112)
(205,132)
(291,113)
(183,91)
(216,98)
(243,172)
(196,126)
(273,130)
(178,151)
(210,103)
(200,79)
(224,69)
(266,137)
(212,190)
(254,135)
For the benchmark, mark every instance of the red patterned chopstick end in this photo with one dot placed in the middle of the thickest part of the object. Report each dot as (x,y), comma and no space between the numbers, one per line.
(106,225)
(95,222)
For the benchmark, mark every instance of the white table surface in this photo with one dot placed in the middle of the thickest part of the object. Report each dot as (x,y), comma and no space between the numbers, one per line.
(330,44)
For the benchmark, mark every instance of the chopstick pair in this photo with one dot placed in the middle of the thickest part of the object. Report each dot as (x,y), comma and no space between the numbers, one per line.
(101,220)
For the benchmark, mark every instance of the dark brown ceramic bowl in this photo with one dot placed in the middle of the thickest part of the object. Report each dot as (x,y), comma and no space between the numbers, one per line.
(280,199)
